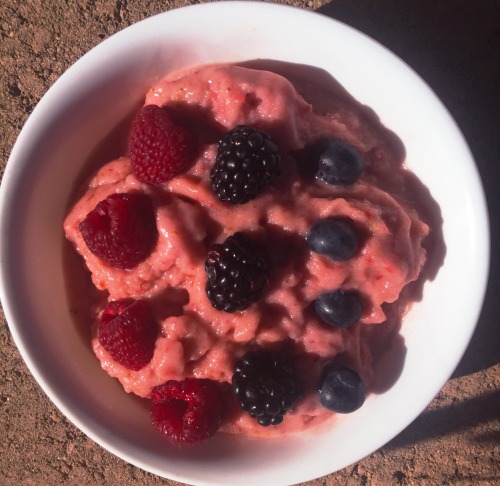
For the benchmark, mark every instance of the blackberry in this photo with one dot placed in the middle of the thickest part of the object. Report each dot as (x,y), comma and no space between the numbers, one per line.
(247,160)
(265,386)
(237,273)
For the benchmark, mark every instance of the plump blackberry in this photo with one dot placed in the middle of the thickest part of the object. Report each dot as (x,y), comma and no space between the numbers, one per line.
(265,386)
(247,161)
(237,273)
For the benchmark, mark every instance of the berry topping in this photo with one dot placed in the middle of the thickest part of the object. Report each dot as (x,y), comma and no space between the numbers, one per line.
(247,161)
(127,331)
(341,308)
(121,230)
(339,163)
(341,389)
(333,238)
(237,273)
(265,386)
(159,149)
(187,411)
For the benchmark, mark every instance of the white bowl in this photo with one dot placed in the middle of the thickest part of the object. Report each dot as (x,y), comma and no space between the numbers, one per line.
(98,92)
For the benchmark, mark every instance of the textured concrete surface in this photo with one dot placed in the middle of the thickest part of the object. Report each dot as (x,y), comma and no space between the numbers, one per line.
(455,46)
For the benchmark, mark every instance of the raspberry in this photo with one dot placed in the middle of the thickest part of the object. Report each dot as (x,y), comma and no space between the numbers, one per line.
(237,271)
(121,230)
(127,331)
(188,411)
(265,386)
(159,149)
(246,162)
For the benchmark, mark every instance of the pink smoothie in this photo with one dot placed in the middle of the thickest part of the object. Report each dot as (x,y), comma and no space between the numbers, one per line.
(196,339)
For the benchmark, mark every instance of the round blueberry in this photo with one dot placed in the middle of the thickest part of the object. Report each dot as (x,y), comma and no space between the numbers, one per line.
(341,389)
(333,238)
(339,163)
(341,308)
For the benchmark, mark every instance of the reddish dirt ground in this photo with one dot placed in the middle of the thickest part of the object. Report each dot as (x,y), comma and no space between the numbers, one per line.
(454,46)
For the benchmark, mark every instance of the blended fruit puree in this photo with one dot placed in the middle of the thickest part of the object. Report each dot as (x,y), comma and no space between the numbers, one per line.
(198,340)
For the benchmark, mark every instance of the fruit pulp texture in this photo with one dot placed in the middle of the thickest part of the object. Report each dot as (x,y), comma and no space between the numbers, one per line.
(195,339)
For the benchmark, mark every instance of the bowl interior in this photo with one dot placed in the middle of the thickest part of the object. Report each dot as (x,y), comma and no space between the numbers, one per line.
(94,97)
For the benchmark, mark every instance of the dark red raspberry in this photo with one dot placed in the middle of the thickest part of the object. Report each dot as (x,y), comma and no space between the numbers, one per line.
(121,230)
(127,331)
(187,411)
(159,149)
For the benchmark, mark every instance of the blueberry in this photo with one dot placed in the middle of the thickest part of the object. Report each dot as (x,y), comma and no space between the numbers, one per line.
(339,163)
(340,308)
(341,389)
(333,238)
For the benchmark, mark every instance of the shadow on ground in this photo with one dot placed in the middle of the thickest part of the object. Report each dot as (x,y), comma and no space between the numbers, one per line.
(454,47)
(455,418)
